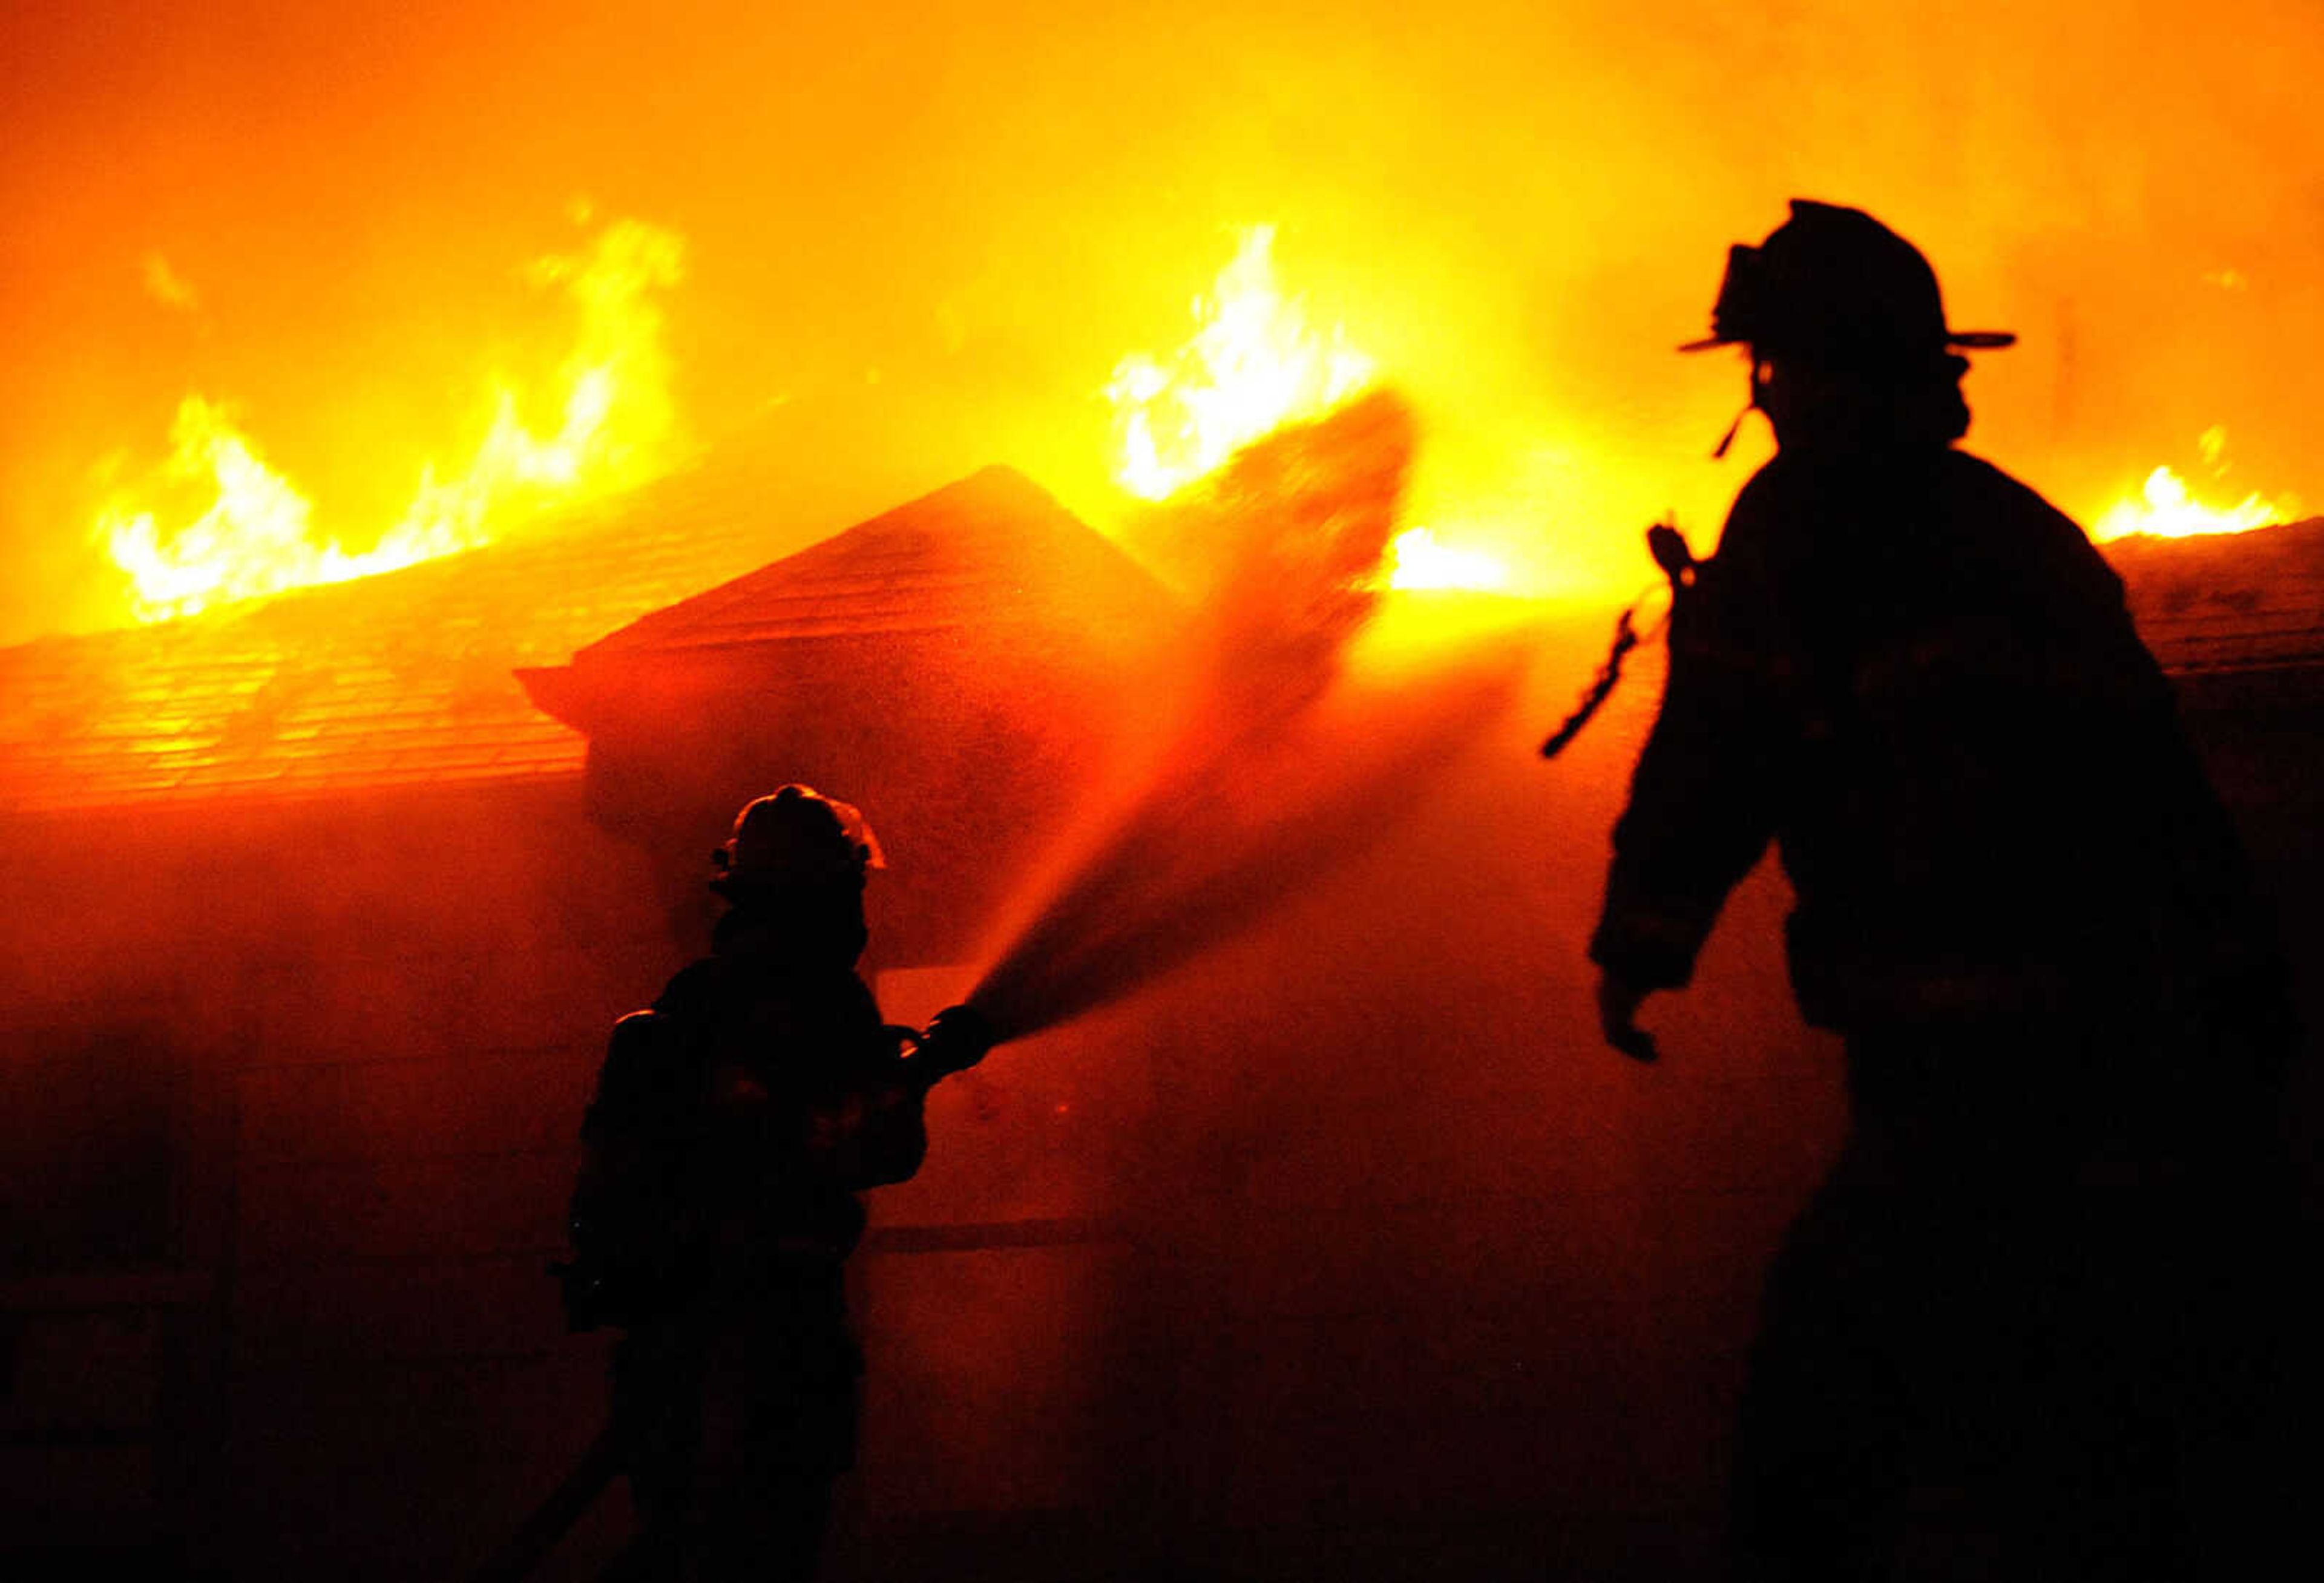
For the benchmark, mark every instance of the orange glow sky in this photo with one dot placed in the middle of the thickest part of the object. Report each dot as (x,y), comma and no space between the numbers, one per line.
(919,237)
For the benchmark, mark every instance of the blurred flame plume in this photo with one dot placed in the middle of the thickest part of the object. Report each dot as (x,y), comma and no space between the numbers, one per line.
(619,429)
(2166,510)
(1251,367)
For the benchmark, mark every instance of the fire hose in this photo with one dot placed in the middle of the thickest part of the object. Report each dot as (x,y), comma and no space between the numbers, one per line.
(552,1520)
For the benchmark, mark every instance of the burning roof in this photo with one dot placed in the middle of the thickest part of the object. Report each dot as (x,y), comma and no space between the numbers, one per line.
(993,547)
(400,678)
(411,678)
(2228,602)
(984,576)
(407,678)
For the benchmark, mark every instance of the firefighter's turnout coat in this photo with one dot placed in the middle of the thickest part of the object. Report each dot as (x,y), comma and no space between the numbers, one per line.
(1921,682)
(733,1128)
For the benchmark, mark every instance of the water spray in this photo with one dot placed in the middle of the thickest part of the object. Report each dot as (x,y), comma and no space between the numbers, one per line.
(1270,770)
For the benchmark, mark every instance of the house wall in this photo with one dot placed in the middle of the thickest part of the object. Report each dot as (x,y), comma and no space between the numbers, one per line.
(1343,1250)
(1444,1286)
(287,1314)
(969,748)
(383,1014)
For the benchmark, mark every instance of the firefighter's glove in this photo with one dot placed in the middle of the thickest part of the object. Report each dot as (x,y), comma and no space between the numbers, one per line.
(1617,1017)
(956,1040)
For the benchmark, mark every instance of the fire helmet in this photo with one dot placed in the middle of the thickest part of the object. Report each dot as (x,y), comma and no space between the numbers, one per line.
(1834,287)
(794,837)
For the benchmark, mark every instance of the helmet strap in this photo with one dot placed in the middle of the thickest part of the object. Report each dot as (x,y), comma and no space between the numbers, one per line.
(1727,441)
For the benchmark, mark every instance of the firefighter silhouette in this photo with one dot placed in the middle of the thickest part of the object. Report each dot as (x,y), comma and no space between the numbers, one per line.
(2009,1320)
(733,1126)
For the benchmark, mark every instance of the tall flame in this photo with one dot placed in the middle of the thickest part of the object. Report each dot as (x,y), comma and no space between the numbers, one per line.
(619,429)
(2167,508)
(1251,366)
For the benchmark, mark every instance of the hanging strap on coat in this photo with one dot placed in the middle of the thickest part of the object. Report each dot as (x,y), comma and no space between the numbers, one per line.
(1669,547)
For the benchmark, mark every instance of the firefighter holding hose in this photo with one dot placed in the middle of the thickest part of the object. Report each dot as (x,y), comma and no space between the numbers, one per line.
(735,1125)
(2024,1314)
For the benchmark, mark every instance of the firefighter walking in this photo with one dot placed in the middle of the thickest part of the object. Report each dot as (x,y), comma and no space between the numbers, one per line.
(2025,1318)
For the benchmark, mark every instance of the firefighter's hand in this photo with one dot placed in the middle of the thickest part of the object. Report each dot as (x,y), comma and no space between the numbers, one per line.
(1618,1016)
(957,1039)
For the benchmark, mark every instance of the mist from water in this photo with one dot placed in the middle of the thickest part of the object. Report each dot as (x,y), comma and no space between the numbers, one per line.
(1272,763)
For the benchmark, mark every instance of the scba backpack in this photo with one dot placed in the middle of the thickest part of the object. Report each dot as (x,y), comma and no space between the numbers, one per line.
(627,1224)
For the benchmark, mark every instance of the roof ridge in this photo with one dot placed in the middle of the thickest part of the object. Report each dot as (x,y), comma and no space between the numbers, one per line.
(990,513)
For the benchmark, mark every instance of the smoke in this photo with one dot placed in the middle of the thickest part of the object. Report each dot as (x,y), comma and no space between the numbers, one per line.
(1514,210)
(165,286)
(1274,764)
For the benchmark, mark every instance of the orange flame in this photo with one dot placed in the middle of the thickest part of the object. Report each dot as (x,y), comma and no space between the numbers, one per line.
(2166,508)
(1251,367)
(619,429)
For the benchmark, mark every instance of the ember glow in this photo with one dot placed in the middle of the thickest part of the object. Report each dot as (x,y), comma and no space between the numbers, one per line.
(257,535)
(2167,508)
(1416,560)
(1251,366)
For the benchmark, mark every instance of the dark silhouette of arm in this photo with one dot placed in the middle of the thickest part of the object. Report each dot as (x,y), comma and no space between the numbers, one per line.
(1702,799)
(873,1133)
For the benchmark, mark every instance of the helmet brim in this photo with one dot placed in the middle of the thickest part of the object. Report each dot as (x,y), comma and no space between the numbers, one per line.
(1955,340)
